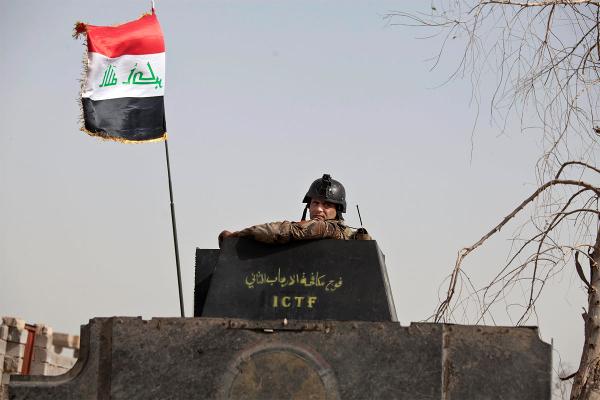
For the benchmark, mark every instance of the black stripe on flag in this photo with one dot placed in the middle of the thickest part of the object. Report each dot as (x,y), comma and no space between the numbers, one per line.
(128,118)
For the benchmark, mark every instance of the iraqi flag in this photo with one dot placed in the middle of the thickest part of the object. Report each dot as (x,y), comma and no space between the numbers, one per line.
(122,96)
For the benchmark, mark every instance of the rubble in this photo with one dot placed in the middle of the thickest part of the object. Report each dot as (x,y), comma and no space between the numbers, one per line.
(33,349)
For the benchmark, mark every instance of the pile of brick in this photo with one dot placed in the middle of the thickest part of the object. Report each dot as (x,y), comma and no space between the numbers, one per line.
(33,349)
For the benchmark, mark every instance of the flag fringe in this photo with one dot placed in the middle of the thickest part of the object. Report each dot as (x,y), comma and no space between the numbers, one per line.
(81,29)
(104,137)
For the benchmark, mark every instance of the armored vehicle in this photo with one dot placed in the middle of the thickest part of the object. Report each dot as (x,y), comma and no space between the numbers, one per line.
(306,320)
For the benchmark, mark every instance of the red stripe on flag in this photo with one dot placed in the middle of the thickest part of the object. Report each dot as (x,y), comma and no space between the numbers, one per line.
(142,36)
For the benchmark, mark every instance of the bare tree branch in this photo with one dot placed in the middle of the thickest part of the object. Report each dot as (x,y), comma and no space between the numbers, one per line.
(544,59)
(539,3)
(580,272)
(440,313)
(575,163)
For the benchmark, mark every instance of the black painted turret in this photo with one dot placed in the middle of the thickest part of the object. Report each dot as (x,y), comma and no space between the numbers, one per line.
(310,280)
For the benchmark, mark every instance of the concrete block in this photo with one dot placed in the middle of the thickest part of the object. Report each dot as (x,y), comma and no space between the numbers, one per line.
(2,346)
(15,350)
(56,370)
(43,341)
(14,322)
(46,369)
(43,336)
(3,392)
(39,368)
(65,340)
(17,336)
(66,352)
(48,356)
(3,332)
(12,365)
(44,330)
(42,355)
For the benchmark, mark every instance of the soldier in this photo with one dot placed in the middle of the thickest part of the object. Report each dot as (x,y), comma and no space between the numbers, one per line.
(325,202)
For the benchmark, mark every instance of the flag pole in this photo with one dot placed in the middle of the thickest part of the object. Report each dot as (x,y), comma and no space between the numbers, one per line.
(174,224)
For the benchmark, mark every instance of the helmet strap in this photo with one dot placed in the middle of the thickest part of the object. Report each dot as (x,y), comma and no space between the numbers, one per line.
(304,213)
(338,213)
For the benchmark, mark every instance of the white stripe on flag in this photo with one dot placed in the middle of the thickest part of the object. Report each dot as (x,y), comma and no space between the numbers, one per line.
(125,76)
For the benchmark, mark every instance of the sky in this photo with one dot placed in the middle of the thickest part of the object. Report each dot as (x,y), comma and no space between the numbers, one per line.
(262,97)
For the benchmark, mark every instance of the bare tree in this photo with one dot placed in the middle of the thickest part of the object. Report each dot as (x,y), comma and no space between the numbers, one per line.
(545,58)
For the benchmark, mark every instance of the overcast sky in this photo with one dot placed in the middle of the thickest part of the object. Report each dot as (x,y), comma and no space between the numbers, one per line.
(262,97)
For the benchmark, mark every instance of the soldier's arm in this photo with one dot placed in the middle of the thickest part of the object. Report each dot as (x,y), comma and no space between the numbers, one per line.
(286,231)
(316,229)
(272,232)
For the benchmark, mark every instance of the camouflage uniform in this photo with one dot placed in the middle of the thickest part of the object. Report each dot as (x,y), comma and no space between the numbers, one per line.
(286,231)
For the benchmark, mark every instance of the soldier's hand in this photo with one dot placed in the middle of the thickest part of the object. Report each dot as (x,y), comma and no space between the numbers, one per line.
(225,235)
(362,234)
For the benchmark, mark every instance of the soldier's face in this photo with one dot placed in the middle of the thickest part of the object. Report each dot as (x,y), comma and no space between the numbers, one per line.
(322,210)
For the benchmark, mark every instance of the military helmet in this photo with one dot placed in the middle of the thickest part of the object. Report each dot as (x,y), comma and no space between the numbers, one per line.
(329,190)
